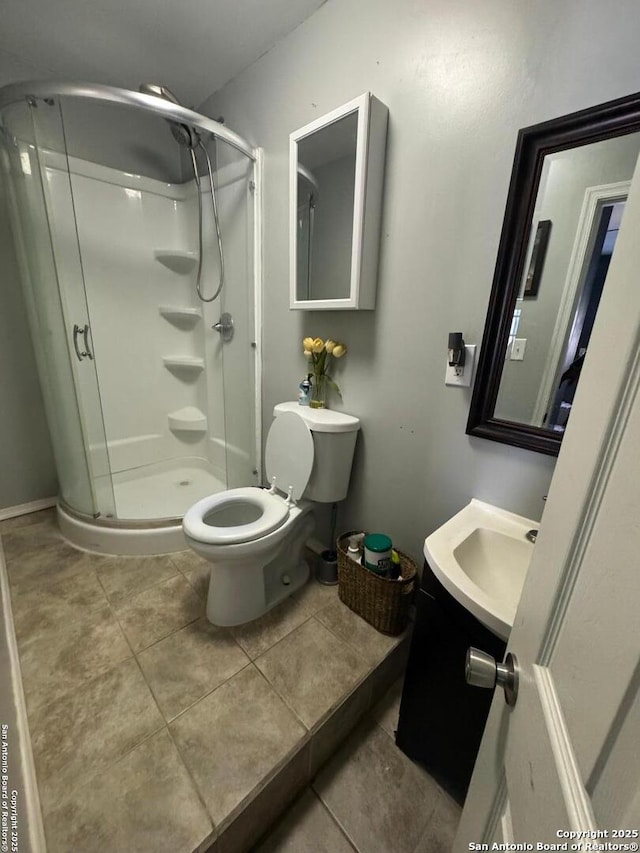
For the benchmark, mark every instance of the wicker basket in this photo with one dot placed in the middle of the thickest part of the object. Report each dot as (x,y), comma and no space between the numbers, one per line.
(382,602)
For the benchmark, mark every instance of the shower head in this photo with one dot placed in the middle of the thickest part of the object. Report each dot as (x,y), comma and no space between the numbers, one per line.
(182,133)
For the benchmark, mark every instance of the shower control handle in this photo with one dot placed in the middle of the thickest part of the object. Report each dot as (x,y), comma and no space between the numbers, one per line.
(77,332)
(224,326)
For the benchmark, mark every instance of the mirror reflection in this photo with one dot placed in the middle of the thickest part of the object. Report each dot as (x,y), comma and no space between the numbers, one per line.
(578,210)
(326,169)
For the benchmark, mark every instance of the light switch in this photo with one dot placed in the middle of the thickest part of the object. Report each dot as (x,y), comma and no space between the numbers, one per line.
(518,348)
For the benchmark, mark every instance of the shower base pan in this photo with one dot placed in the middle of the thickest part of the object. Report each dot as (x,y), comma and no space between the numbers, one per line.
(134,538)
(150,503)
(164,489)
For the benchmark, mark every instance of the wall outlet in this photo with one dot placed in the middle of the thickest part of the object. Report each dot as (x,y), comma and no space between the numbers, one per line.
(464,381)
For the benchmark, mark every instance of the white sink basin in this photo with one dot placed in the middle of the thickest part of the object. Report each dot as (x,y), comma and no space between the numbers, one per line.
(481,556)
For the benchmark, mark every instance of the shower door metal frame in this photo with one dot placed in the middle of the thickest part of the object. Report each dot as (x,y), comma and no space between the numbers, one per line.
(258,173)
(17,92)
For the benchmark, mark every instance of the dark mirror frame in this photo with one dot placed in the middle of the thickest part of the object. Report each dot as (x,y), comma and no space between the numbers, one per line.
(615,118)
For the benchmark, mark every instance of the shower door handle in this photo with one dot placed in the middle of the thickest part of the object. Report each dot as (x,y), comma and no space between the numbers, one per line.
(86,342)
(77,331)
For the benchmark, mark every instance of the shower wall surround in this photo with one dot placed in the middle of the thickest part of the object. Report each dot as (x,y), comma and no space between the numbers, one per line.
(137,259)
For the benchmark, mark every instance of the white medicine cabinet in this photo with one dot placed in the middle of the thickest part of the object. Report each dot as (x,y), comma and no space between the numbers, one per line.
(336,174)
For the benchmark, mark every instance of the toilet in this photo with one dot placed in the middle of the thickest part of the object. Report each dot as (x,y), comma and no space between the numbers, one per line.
(254,538)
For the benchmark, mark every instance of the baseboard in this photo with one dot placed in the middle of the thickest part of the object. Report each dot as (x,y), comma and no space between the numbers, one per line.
(20,766)
(25,509)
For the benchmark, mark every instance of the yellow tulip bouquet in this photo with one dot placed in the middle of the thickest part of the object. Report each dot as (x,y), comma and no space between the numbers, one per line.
(319,353)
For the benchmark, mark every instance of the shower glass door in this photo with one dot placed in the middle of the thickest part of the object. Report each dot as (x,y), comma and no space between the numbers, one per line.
(34,154)
(178,402)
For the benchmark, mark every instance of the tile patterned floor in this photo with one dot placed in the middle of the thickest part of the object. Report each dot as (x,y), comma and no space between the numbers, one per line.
(369,798)
(151,729)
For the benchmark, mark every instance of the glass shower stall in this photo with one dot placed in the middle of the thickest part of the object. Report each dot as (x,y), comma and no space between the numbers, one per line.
(151,394)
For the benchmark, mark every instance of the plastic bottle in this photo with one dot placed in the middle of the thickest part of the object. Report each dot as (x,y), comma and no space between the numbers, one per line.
(304,391)
(353,549)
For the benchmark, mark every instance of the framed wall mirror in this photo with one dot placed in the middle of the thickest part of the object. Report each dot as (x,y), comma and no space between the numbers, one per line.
(336,172)
(566,201)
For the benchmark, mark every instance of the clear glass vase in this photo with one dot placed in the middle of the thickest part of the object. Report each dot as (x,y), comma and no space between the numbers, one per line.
(319,392)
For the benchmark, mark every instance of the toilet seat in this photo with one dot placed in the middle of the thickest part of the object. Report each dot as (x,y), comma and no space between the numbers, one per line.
(273,513)
(289,455)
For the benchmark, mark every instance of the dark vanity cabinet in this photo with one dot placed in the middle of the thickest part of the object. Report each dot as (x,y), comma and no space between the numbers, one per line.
(441,717)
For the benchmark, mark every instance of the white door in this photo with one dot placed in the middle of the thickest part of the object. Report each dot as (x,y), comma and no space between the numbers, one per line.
(566,758)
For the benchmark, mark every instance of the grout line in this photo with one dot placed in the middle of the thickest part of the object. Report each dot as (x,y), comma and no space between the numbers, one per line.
(314,729)
(277,642)
(66,695)
(97,673)
(165,636)
(368,720)
(150,689)
(337,822)
(115,608)
(208,693)
(196,789)
(192,585)
(135,592)
(91,777)
(333,819)
(122,631)
(283,699)
(356,649)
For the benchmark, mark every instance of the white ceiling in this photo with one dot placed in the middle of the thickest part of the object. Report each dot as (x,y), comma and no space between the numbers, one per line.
(192,46)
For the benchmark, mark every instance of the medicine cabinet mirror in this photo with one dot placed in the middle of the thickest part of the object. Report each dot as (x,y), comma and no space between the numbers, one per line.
(566,200)
(336,173)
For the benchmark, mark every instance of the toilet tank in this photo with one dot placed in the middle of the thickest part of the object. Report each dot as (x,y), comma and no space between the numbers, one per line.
(334,440)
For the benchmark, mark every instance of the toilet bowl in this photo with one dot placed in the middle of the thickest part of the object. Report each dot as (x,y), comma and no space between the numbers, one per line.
(256,564)
(254,538)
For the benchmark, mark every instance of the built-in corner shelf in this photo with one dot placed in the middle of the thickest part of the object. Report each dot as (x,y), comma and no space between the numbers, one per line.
(184,363)
(189,419)
(180,315)
(176,260)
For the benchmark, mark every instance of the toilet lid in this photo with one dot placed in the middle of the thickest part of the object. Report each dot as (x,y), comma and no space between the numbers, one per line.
(289,454)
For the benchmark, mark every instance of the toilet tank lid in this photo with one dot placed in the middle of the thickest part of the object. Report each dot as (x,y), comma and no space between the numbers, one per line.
(320,420)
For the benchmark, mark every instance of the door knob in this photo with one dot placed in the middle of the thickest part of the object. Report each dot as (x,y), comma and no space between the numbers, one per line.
(481,670)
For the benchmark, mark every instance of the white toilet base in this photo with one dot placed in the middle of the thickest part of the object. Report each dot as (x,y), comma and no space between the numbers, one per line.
(244,586)
(226,608)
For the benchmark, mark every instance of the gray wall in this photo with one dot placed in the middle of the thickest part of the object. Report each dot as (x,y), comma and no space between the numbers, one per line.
(27,471)
(459,80)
